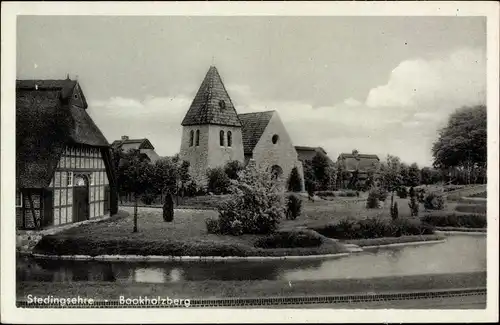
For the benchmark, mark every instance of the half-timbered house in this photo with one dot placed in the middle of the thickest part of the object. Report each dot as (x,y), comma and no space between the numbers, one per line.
(63,167)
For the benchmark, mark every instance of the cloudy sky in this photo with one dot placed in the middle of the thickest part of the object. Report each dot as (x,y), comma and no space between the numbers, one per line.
(377,84)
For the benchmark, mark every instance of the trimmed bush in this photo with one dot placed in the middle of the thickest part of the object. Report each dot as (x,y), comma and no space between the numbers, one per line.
(290,239)
(434,201)
(348,193)
(372,201)
(471,208)
(414,206)
(382,194)
(294,181)
(374,228)
(212,226)
(294,207)
(446,219)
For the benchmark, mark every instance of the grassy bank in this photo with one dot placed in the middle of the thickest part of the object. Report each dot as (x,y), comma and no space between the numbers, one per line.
(223,289)
(393,240)
(185,236)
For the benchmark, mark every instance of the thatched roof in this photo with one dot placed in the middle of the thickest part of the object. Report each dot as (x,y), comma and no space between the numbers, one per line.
(45,123)
(360,162)
(144,145)
(307,153)
(253,125)
(212,104)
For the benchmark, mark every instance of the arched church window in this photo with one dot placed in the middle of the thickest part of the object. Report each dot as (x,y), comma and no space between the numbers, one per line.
(229,139)
(275,138)
(191,138)
(221,138)
(197,138)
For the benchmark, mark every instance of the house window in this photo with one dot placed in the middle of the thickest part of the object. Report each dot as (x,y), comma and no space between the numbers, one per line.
(229,139)
(19,199)
(221,138)
(275,138)
(191,138)
(70,178)
(197,138)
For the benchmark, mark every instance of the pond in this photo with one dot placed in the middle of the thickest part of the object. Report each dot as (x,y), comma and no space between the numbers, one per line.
(459,254)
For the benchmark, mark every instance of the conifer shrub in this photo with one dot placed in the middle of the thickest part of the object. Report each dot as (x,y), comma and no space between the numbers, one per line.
(294,181)
(294,207)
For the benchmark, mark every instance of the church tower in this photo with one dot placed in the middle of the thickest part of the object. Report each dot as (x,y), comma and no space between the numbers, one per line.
(211,129)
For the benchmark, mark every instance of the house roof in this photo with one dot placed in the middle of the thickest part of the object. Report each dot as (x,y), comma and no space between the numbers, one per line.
(135,144)
(253,125)
(212,104)
(361,162)
(305,153)
(45,124)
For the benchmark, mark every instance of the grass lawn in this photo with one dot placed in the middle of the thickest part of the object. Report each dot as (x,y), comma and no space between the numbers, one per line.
(185,236)
(268,288)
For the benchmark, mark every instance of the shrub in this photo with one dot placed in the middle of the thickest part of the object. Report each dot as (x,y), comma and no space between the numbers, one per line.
(218,181)
(420,193)
(372,201)
(212,226)
(414,206)
(471,208)
(294,181)
(402,192)
(446,219)
(374,228)
(434,201)
(394,211)
(148,198)
(290,239)
(232,168)
(191,189)
(255,206)
(294,207)
(382,194)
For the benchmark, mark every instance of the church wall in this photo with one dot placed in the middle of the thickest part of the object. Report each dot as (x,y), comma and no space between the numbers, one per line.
(283,153)
(209,153)
(220,155)
(197,156)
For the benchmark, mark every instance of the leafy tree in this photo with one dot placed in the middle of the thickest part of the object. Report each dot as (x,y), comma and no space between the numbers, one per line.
(294,181)
(405,173)
(324,171)
(391,175)
(309,177)
(138,177)
(232,168)
(462,143)
(166,176)
(413,175)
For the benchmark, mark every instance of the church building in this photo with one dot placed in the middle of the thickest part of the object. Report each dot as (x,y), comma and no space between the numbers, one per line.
(213,133)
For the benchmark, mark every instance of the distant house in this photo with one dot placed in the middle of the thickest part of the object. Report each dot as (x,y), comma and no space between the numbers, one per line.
(63,166)
(352,162)
(213,133)
(307,153)
(143,145)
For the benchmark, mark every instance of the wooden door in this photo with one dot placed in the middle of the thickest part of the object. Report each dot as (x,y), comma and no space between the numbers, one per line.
(80,199)
(48,208)
(106,199)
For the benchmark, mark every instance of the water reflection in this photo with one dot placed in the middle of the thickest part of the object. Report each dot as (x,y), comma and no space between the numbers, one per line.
(458,254)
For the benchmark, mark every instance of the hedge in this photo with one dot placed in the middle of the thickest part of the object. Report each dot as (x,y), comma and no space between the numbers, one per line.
(447,219)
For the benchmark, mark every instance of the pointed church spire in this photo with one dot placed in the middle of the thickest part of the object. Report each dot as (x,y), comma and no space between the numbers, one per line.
(212,104)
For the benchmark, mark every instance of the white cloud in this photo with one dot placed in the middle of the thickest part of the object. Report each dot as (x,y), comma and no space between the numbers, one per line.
(400,117)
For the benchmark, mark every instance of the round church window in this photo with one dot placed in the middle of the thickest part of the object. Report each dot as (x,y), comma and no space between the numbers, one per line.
(275,138)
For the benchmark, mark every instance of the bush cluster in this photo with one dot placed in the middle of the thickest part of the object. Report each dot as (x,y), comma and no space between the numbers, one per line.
(218,181)
(325,193)
(446,219)
(374,228)
(347,193)
(434,201)
(255,206)
(402,192)
(290,239)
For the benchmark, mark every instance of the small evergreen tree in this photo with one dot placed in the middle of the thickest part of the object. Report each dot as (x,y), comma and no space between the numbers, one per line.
(413,204)
(294,181)
(394,211)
